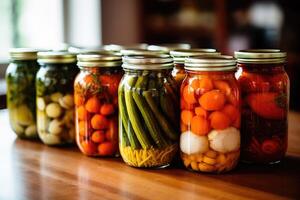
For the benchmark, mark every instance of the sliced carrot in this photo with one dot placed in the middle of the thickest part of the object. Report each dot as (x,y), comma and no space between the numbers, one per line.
(99,122)
(107,109)
(212,100)
(98,136)
(199,125)
(78,99)
(201,112)
(88,148)
(93,105)
(106,149)
(82,113)
(223,86)
(88,79)
(186,117)
(206,84)
(112,131)
(81,128)
(219,120)
(231,111)
(189,95)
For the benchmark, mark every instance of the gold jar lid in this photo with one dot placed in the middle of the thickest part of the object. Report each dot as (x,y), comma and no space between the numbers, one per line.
(99,60)
(23,54)
(140,52)
(148,62)
(169,47)
(56,57)
(213,63)
(118,48)
(179,55)
(261,56)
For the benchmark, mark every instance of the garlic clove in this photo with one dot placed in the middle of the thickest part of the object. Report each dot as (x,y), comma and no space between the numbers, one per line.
(53,110)
(55,96)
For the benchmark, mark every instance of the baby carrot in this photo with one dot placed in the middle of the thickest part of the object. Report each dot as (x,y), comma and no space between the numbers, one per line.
(223,87)
(200,125)
(231,111)
(201,112)
(206,84)
(81,128)
(188,95)
(112,131)
(88,148)
(78,99)
(93,105)
(219,120)
(99,122)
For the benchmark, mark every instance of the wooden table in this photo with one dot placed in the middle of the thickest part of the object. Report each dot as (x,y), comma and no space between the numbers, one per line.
(31,170)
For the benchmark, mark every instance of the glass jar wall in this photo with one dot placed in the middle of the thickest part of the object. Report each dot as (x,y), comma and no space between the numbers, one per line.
(54,97)
(20,80)
(179,56)
(210,115)
(265,97)
(96,100)
(148,106)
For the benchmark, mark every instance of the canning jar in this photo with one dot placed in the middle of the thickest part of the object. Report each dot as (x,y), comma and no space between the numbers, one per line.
(20,80)
(210,115)
(54,97)
(265,103)
(96,100)
(179,56)
(148,110)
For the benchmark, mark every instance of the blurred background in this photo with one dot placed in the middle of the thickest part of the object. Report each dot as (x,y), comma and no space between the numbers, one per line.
(226,25)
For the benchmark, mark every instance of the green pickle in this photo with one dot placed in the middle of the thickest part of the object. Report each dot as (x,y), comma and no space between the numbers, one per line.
(148,136)
(20,80)
(55,97)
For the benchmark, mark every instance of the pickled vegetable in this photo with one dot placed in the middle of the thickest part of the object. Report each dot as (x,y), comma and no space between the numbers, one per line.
(20,80)
(97,110)
(55,103)
(145,102)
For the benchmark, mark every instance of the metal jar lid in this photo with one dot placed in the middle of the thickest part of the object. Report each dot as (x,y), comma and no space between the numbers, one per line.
(148,62)
(261,56)
(99,60)
(118,48)
(169,47)
(215,63)
(179,55)
(140,52)
(23,54)
(56,57)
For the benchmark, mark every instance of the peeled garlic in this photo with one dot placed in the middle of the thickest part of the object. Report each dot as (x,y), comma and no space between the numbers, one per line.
(30,131)
(191,143)
(68,118)
(72,134)
(40,102)
(55,127)
(53,110)
(225,140)
(50,139)
(24,115)
(55,96)
(42,120)
(67,101)
(18,129)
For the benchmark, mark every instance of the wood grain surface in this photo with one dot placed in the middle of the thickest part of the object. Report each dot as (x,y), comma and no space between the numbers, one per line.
(31,170)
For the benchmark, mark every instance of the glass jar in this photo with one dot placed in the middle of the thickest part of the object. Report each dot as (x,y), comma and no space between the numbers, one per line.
(265,104)
(54,97)
(210,115)
(20,80)
(179,56)
(148,110)
(96,100)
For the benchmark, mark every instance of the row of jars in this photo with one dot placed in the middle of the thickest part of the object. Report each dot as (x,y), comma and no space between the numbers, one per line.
(194,102)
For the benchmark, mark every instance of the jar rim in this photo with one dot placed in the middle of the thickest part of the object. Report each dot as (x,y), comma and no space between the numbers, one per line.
(260,56)
(23,53)
(99,60)
(179,55)
(53,57)
(118,48)
(167,47)
(148,62)
(211,63)
(137,52)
